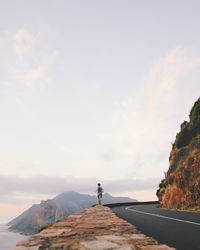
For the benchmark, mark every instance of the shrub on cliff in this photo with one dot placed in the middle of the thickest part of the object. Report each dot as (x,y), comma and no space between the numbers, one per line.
(189,129)
(183,138)
(163,184)
(181,154)
(195,118)
(181,186)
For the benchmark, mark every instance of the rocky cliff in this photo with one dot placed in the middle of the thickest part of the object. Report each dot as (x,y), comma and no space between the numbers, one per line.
(181,186)
(96,228)
(37,217)
(51,211)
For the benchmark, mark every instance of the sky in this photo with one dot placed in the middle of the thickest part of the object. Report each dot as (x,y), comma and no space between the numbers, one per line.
(92,91)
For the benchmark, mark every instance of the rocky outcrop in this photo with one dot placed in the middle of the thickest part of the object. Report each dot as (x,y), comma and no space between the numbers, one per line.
(96,228)
(51,211)
(37,217)
(181,186)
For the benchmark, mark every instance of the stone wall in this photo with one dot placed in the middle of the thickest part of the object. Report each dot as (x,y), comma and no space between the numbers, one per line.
(96,228)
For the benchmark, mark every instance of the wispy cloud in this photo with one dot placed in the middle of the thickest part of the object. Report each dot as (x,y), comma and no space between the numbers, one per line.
(148,120)
(11,185)
(27,59)
(17,194)
(24,43)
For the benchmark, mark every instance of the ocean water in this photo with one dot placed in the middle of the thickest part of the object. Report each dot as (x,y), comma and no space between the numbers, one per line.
(8,240)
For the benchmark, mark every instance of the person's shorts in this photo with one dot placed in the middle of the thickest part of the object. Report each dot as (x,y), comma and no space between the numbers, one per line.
(99,195)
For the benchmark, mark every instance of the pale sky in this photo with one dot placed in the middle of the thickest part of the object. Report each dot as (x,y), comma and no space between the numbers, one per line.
(92,91)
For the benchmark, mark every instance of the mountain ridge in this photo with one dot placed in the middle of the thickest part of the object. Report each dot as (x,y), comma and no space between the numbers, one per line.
(53,210)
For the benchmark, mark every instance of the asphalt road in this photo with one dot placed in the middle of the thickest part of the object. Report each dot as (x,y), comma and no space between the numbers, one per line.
(180,230)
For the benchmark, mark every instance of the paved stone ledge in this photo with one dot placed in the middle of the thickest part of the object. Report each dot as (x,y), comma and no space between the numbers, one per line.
(96,228)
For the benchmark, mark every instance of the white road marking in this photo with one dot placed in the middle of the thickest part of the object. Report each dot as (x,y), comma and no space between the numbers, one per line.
(161,216)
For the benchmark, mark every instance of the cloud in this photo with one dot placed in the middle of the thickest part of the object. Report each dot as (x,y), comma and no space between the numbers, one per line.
(148,120)
(12,186)
(35,75)
(24,43)
(17,194)
(27,59)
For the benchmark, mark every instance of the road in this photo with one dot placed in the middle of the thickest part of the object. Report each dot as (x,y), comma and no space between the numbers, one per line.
(180,230)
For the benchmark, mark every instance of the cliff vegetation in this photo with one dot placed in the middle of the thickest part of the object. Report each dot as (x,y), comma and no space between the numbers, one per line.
(181,186)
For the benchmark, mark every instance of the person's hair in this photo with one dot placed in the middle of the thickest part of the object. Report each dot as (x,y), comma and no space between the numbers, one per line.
(99,184)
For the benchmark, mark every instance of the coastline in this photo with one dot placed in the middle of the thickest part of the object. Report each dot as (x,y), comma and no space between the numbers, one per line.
(8,239)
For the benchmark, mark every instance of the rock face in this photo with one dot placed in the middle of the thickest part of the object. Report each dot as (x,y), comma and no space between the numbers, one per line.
(51,211)
(37,217)
(96,228)
(181,186)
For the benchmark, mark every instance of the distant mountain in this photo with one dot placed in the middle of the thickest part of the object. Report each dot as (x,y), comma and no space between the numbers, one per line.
(50,211)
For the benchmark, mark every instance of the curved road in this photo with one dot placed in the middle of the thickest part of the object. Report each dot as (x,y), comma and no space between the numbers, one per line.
(180,230)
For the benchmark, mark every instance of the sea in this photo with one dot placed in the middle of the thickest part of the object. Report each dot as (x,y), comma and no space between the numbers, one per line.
(8,240)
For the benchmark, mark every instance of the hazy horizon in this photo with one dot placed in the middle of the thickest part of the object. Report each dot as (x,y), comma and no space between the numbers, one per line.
(92,91)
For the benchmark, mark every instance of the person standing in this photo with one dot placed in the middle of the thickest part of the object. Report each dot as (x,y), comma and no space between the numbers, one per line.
(99,193)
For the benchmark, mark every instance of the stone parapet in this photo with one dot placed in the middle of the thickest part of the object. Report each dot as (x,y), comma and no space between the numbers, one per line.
(96,228)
